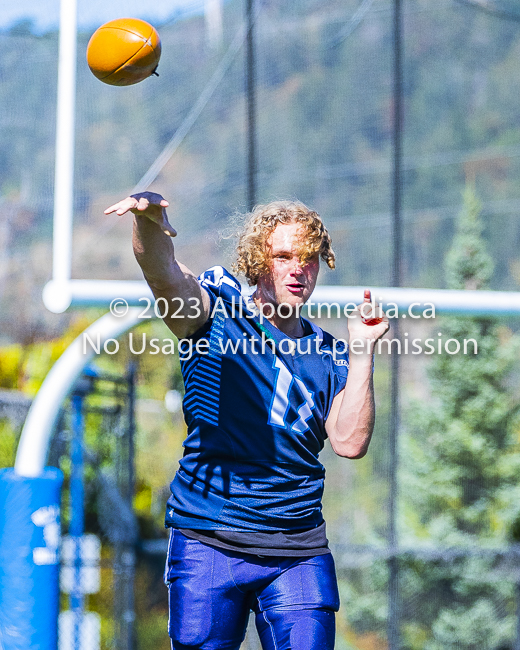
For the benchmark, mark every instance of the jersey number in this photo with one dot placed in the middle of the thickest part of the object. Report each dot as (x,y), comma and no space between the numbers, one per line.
(280,401)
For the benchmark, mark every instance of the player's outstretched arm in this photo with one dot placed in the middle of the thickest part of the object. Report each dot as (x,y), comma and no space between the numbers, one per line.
(351,419)
(167,278)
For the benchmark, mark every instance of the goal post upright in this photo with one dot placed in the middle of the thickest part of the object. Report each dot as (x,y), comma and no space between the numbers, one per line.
(65,126)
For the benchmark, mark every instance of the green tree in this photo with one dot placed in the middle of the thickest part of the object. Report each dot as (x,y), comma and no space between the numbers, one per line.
(460,464)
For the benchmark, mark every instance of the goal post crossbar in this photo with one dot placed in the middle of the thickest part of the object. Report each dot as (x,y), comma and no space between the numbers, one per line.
(59,296)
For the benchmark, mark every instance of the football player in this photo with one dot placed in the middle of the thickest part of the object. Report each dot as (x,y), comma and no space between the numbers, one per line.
(264,388)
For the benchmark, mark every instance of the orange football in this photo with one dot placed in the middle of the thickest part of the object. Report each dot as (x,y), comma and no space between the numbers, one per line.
(123,52)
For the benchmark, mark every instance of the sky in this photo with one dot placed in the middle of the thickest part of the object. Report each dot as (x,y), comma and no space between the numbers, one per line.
(92,13)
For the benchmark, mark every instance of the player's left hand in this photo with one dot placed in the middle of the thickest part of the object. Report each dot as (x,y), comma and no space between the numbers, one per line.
(359,326)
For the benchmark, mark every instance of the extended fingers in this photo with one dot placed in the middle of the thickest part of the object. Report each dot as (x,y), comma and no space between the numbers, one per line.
(123,206)
(151,204)
(369,310)
(138,202)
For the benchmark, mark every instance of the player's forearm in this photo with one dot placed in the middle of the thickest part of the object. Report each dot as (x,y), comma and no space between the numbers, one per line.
(356,416)
(154,252)
(168,279)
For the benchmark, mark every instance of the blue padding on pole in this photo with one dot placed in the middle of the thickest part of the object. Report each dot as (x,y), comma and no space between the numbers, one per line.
(29,557)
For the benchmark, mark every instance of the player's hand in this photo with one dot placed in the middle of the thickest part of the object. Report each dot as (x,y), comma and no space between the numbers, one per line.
(367,321)
(146,204)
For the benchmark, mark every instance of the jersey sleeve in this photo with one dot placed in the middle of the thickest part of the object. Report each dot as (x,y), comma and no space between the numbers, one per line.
(340,364)
(219,283)
(223,290)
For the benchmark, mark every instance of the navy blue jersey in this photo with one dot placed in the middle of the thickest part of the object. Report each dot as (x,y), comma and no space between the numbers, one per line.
(256,403)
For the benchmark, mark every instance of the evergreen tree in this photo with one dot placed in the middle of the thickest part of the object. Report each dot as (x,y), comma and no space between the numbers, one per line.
(460,464)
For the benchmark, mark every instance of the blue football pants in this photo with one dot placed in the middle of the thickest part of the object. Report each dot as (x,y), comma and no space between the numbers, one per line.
(211,592)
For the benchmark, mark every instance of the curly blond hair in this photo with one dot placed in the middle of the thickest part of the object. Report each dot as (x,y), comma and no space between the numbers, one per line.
(253,251)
